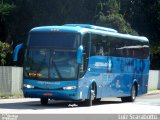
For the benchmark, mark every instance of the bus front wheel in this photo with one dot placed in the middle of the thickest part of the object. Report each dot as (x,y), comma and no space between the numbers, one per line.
(89,101)
(132,97)
(44,101)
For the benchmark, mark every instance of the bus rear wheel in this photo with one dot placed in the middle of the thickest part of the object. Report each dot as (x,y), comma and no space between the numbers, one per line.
(44,101)
(132,97)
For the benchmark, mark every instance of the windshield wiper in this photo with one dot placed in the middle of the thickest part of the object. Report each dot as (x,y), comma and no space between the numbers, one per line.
(55,66)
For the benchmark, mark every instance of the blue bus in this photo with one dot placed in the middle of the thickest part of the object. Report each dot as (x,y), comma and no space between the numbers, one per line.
(83,62)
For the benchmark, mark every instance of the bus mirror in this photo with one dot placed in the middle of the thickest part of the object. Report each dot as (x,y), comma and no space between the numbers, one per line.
(16,51)
(79,54)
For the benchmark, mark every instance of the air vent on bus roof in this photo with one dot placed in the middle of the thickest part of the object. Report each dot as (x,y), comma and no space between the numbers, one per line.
(92,27)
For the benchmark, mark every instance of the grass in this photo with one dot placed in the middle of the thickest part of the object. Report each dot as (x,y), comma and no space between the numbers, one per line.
(11,96)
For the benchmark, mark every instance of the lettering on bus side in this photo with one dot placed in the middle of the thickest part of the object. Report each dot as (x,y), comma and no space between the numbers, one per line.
(108,65)
(101,64)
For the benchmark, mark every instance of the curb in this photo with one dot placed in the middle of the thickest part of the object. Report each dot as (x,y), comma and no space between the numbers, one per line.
(153,92)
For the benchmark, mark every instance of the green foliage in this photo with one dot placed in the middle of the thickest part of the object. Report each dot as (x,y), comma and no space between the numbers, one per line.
(5,12)
(5,49)
(109,16)
(108,6)
(157,6)
(5,9)
(155,50)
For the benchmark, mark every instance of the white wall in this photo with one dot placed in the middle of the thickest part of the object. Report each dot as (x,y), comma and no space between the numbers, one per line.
(17,76)
(10,80)
(154,80)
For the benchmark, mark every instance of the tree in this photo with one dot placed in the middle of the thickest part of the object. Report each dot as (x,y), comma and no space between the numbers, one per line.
(144,15)
(5,11)
(108,14)
(5,49)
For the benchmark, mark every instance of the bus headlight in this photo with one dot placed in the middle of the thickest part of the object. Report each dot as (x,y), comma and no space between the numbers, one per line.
(69,88)
(28,86)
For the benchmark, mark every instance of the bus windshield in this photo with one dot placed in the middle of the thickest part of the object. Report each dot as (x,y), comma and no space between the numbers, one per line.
(52,56)
(55,64)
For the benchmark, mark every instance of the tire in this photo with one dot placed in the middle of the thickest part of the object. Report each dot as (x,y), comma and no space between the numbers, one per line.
(89,102)
(132,97)
(44,101)
(96,100)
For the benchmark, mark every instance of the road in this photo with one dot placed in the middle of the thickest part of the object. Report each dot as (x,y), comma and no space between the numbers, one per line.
(143,105)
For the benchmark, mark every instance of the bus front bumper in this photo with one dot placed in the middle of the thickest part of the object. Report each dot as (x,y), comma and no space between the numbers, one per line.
(51,94)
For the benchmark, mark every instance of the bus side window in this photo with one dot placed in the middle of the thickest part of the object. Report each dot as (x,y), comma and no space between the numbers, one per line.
(94,45)
(86,47)
(97,47)
(93,50)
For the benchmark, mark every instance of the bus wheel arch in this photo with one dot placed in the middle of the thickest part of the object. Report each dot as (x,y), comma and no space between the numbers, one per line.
(134,92)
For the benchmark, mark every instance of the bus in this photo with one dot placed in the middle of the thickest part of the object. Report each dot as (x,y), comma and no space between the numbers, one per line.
(83,62)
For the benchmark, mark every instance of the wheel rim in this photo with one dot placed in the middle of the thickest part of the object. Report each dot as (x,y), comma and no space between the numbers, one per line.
(92,94)
(133,93)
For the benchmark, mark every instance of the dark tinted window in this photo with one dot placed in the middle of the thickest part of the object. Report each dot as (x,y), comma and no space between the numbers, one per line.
(98,45)
(118,47)
(54,39)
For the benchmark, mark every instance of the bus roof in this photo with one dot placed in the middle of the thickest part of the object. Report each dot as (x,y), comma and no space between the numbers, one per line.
(87,28)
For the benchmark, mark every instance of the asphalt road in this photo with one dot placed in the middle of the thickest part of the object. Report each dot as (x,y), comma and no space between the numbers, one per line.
(143,105)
